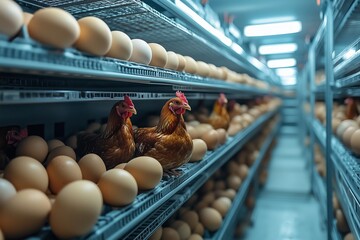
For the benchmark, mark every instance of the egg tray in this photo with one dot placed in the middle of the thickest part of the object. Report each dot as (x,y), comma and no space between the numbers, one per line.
(138,20)
(350,205)
(25,56)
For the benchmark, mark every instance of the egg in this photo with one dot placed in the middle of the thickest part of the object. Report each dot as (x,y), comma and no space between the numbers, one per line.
(172,61)
(229,193)
(192,131)
(141,52)
(210,218)
(346,137)
(222,205)
(170,233)
(199,150)
(199,229)
(343,126)
(203,128)
(341,222)
(26,172)
(54,143)
(1,235)
(211,138)
(335,202)
(234,129)
(121,46)
(95,36)
(147,171)
(118,187)
(24,214)
(355,142)
(7,191)
(159,55)
(349,236)
(190,65)
(27,17)
(191,218)
(224,72)
(76,209)
(243,171)
(92,167)
(54,26)
(11,17)
(195,236)
(182,228)
(203,69)
(208,198)
(213,72)
(32,146)
(157,234)
(222,134)
(182,63)
(62,151)
(234,182)
(62,170)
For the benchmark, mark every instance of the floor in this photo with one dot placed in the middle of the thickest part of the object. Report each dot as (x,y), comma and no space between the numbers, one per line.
(285,209)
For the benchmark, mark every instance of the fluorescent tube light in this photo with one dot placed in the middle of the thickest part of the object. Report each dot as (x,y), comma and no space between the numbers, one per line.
(236,47)
(288,81)
(279,63)
(286,72)
(272,29)
(278,48)
(351,52)
(204,24)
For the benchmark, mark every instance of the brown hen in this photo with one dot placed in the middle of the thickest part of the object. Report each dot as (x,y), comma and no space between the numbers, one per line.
(115,144)
(219,117)
(168,142)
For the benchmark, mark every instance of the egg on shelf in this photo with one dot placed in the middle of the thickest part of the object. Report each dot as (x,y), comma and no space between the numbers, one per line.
(172,61)
(61,150)
(199,150)
(92,167)
(343,126)
(54,143)
(54,26)
(222,205)
(157,234)
(121,46)
(95,36)
(182,228)
(7,191)
(33,146)
(11,18)
(141,52)
(346,137)
(203,69)
(76,209)
(182,63)
(210,218)
(355,142)
(159,56)
(190,65)
(211,138)
(170,233)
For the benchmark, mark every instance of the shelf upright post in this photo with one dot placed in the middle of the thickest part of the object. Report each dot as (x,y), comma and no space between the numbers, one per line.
(329,45)
(311,77)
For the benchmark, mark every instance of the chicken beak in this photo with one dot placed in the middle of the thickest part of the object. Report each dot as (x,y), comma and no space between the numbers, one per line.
(132,110)
(186,106)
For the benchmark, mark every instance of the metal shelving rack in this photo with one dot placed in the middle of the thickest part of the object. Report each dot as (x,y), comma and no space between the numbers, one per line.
(32,74)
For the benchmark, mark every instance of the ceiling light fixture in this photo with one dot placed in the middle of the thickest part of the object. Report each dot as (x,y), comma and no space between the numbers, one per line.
(288,81)
(281,63)
(286,72)
(278,48)
(270,29)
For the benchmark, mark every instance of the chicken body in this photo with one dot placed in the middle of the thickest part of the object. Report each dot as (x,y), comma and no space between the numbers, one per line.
(115,144)
(219,117)
(168,142)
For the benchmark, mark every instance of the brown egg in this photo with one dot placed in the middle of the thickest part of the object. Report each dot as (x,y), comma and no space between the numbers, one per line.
(121,46)
(355,142)
(243,171)
(33,146)
(213,73)
(255,112)
(141,52)
(27,17)
(54,143)
(349,236)
(199,229)
(62,170)
(182,228)
(172,61)
(211,139)
(92,167)
(210,218)
(147,171)
(222,205)
(118,187)
(234,129)
(229,193)
(159,55)
(203,128)
(191,218)
(208,198)
(26,172)
(7,191)
(192,131)
(199,150)
(203,69)
(234,182)
(335,202)
(195,237)
(170,233)
(335,123)
(76,209)
(95,36)
(208,186)
(157,234)
(346,137)
(341,222)
(62,151)
(222,135)
(55,27)
(182,63)
(11,18)
(190,65)
(343,126)
(24,214)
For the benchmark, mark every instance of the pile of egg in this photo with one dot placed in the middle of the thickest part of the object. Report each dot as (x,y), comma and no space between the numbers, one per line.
(45,184)
(57,28)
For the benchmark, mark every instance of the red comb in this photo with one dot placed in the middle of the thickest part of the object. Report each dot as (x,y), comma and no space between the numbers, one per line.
(181,96)
(128,101)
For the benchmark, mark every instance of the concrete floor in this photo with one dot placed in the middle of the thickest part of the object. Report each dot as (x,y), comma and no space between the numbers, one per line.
(285,208)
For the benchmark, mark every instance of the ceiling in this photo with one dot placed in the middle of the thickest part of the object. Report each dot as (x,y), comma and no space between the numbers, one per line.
(247,12)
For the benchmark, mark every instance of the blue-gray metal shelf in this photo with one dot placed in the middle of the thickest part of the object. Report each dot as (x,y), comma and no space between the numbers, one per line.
(139,20)
(26,57)
(115,223)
